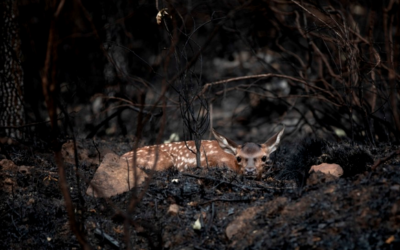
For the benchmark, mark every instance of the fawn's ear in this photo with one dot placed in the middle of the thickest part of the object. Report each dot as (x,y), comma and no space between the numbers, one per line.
(226,144)
(273,142)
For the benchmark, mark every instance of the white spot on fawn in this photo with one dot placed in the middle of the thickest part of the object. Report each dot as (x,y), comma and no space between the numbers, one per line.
(191,160)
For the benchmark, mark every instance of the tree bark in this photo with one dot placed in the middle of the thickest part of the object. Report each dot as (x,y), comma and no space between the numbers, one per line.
(11,74)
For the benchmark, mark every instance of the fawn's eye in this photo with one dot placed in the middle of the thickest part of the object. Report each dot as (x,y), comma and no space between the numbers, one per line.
(238,158)
(264,158)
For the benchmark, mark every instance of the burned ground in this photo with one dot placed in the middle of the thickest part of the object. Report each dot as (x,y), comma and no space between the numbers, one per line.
(358,211)
(137,73)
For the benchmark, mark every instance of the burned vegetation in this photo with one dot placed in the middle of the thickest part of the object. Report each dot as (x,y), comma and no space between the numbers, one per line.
(89,89)
(204,208)
(298,159)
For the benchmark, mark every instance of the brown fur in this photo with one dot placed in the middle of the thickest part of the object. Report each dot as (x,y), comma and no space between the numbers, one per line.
(222,152)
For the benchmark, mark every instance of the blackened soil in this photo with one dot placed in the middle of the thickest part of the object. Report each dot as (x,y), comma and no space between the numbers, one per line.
(197,209)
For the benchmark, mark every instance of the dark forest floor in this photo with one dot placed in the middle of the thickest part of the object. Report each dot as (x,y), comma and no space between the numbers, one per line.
(360,211)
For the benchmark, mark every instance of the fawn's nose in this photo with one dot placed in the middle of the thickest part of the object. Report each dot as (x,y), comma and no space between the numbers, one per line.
(250,170)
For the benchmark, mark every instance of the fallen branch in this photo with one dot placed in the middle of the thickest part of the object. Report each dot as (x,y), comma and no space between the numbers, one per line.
(382,160)
(225,200)
(107,237)
(243,187)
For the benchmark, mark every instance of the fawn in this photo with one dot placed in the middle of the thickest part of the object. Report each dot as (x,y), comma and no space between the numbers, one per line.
(248,159)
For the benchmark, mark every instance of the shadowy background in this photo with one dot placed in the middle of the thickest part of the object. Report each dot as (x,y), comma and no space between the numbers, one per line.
(321,68)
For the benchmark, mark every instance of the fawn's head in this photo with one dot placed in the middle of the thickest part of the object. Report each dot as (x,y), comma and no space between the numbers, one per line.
(251,157)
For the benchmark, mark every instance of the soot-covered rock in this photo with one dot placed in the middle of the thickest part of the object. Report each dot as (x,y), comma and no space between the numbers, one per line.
(353,159)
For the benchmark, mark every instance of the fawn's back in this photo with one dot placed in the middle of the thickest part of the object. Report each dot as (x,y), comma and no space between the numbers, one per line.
(181,155)
(248,159)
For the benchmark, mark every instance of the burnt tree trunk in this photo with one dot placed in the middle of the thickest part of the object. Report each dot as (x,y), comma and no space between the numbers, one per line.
(11,74)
